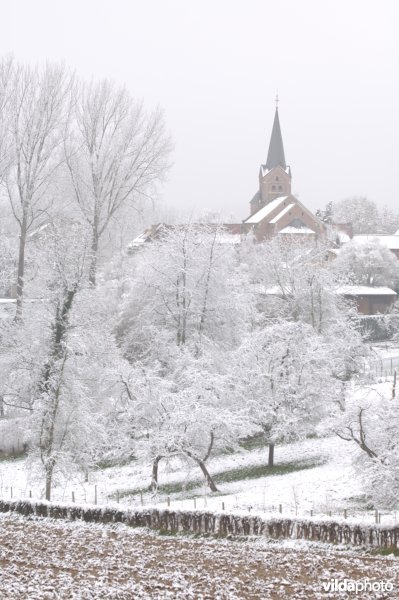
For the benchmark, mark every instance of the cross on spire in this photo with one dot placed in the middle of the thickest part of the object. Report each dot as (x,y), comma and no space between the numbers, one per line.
(276,100)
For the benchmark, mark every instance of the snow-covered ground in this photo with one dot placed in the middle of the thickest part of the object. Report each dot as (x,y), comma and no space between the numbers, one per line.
(318,479)
(328,487)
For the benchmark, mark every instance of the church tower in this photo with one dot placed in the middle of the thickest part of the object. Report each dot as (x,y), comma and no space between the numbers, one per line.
(275,175)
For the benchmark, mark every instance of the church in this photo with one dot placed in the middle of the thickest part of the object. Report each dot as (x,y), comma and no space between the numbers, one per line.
(274,210)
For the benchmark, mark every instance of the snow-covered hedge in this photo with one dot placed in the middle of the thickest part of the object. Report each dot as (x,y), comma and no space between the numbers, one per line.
(222,524)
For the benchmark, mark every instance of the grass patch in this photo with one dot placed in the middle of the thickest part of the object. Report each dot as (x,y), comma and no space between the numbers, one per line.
(4,457)
(239,474)
(258,471)
(385,551)
(108,463)
(253,442)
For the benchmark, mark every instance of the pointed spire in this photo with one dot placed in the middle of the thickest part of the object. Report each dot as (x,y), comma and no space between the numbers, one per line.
(275,156)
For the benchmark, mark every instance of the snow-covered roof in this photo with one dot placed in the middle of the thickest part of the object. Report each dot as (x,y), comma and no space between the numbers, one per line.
(266,210)
(343,237)
(397,232)
(291,229)
(364,290)
(282,213)
(139,240)
(8,300)
(390,241)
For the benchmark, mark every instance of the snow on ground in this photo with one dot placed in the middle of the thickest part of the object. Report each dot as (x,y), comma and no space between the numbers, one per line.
(52,560)
(319,481)
(330,486)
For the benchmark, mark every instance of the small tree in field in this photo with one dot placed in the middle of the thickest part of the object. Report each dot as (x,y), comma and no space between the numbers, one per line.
(189,414)
(370,421)
(284,375)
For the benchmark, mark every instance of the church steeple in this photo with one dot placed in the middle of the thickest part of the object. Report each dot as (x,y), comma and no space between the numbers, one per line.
(275,175)
(275,156)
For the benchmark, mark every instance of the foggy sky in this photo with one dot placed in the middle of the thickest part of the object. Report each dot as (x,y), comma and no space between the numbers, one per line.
(214,67)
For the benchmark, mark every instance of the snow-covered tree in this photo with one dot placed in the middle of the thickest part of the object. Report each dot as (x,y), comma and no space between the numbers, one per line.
(182,291)
(370,420)
(36,111)
(188,414)
(116,153)
(59,362)
(367,262)
(284,374)
(364,215)
(296,283)
(358,210)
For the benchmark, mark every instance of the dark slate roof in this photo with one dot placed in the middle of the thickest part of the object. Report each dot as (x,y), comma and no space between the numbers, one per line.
(257,197)
(275,156)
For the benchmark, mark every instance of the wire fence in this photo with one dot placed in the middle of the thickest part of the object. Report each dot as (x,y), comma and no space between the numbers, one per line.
(97,495)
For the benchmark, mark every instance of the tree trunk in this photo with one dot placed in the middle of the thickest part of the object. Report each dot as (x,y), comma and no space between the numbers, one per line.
(49,479)
(93,261)
(21,267)
(154,474)
(207,475)
(271,456)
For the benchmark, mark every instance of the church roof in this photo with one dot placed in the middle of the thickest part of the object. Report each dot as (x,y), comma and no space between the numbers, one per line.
(256,197)
(275,155)
(266,210)
(282,213)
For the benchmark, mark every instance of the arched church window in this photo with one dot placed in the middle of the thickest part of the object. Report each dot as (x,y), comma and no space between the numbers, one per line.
(280,187)
(273,187)
(277,179)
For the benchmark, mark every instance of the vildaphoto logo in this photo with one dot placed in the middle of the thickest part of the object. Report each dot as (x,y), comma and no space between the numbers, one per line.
(356,586)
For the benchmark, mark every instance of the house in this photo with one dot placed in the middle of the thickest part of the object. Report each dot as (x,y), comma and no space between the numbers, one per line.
(369,300)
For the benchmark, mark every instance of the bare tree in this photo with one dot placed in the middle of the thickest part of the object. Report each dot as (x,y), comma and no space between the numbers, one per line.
(115,155)
(33,124)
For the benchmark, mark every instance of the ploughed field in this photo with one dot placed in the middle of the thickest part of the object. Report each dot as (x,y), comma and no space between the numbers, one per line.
(44,559)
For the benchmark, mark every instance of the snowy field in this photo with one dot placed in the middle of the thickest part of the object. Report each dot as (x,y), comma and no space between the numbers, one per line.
(322,481)
(47,560)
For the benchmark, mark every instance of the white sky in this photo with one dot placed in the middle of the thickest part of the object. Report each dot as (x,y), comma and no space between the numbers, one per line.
(215,65)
